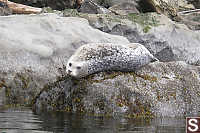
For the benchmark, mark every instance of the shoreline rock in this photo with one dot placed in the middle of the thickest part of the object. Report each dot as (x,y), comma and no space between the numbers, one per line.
(157,90)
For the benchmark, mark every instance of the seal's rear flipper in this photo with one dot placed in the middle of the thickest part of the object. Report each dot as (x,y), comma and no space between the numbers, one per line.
(154,59)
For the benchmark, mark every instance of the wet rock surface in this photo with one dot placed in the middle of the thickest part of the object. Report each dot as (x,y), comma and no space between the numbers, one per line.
(158,89)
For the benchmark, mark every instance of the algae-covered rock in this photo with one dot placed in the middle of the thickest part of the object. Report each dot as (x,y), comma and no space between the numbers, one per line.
(158,89)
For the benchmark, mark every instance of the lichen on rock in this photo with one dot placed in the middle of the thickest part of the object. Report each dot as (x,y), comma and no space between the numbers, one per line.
(144,93)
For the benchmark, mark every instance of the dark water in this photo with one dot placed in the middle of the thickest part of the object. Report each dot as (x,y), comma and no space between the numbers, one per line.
(25,121)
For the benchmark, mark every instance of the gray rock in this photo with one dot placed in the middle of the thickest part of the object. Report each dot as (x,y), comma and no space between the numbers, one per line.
(159,48)
(124,8)
(196,3)
(130,32)
(91,7)
(110,3)
(133,28)
(165,39)
(191,20)
(34,49)
(183,41)
(158,89)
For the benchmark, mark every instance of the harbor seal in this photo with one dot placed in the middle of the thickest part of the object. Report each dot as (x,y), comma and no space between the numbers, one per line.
(96,57)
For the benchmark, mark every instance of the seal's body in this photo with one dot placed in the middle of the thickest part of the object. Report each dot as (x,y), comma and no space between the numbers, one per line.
(92,58)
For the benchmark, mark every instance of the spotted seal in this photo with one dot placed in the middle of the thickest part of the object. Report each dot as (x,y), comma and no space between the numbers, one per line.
(96,57)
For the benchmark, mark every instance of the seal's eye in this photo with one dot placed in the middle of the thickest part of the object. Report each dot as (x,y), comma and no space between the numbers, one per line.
(70,64)
(78,67)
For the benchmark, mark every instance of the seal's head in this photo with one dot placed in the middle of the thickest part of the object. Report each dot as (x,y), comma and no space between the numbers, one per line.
(77,69)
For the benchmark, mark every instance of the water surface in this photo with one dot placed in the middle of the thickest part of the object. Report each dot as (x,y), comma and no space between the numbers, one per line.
(25,121)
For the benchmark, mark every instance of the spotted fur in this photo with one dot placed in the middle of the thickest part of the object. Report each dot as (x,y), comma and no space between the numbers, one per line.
(93,58)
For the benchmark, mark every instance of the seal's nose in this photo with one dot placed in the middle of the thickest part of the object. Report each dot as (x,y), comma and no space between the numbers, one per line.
(69,71)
